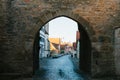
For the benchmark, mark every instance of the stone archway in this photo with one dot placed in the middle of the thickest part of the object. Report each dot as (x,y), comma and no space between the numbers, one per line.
(23,20)
(86,32)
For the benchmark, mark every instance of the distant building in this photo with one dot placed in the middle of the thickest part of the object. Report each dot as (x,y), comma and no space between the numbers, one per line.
(68,49)
(74,45)
(55,40)
(44,42)
(55,44)
(77,35)
(78,44)
(59,47)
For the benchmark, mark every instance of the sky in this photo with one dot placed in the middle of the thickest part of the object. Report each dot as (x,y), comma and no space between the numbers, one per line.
(64,28)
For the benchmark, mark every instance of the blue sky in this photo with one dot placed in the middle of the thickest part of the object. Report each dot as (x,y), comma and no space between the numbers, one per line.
(63,27)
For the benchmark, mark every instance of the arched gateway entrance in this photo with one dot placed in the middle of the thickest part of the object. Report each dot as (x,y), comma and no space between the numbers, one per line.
(85,46)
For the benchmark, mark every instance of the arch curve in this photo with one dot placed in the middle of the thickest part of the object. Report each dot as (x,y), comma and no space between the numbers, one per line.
(84,28)
(47,16)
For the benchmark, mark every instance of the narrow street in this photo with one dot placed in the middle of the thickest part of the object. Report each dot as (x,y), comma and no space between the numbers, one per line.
(60,68)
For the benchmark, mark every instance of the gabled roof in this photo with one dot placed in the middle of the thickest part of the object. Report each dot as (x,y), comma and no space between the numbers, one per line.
(55,40)
(52,47)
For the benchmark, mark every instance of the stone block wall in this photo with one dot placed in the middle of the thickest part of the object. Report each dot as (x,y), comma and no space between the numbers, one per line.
(20,21)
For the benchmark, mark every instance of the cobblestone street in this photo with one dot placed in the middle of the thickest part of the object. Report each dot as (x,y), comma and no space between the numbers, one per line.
(60,68)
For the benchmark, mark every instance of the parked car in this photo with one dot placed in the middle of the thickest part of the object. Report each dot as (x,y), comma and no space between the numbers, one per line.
(55,56)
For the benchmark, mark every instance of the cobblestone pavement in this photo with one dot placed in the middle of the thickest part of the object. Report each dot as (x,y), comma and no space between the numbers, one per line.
(60,68)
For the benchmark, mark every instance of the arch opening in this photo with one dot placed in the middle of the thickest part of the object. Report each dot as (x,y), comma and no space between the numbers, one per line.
(84,47)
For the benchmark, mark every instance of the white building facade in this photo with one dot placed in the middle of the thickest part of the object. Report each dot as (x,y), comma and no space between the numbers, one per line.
(44,42)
